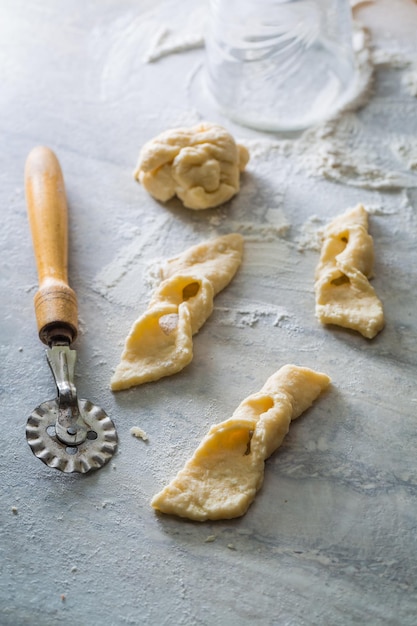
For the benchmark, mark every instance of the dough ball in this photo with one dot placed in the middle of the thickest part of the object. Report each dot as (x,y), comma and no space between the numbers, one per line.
(201,165)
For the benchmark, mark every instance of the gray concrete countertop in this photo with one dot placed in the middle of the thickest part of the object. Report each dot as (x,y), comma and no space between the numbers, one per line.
(331,536)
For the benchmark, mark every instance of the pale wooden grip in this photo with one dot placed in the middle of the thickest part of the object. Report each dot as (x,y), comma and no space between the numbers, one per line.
(55,302)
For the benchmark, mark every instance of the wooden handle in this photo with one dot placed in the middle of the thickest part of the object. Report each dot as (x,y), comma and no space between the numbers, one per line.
(55,302)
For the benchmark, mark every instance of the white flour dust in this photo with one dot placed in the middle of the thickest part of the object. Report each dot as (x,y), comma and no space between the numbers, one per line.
(345,151)
(250,315)
(189,36)
(390,58)
(310,237)
(405,149)
(275,226)
(119,281)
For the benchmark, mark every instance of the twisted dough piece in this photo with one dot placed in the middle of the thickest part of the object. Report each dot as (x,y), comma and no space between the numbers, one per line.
(201,165)
(343,293)
(160,341)
(221,479)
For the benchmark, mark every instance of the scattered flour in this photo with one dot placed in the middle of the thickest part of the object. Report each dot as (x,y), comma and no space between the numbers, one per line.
(250,315)
(267,148)
(391,58)
(343,151)
(118,280)
(311,235)
(377,209)
(268,231)
(405,149)
(152,273)
(167,41)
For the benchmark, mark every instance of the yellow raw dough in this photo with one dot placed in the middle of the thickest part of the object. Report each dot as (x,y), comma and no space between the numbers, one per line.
(160,341)
(201,165)
(343,293)
(221,479)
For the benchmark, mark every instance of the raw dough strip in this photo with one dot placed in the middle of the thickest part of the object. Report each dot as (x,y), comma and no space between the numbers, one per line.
(160,341)
(221,479)
(343,293)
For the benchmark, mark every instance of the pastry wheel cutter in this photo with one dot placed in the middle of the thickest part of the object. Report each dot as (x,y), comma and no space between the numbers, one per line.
(67,433)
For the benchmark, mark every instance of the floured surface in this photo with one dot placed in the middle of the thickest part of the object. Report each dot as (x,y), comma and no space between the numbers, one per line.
(330,537)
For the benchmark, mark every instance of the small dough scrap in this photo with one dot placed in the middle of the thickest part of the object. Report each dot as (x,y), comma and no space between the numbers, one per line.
(160,341)
(201,165)
(221,479)
(343,293)
(139,433)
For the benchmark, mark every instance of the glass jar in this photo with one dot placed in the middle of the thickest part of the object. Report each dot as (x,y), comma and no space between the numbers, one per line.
(279,64)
